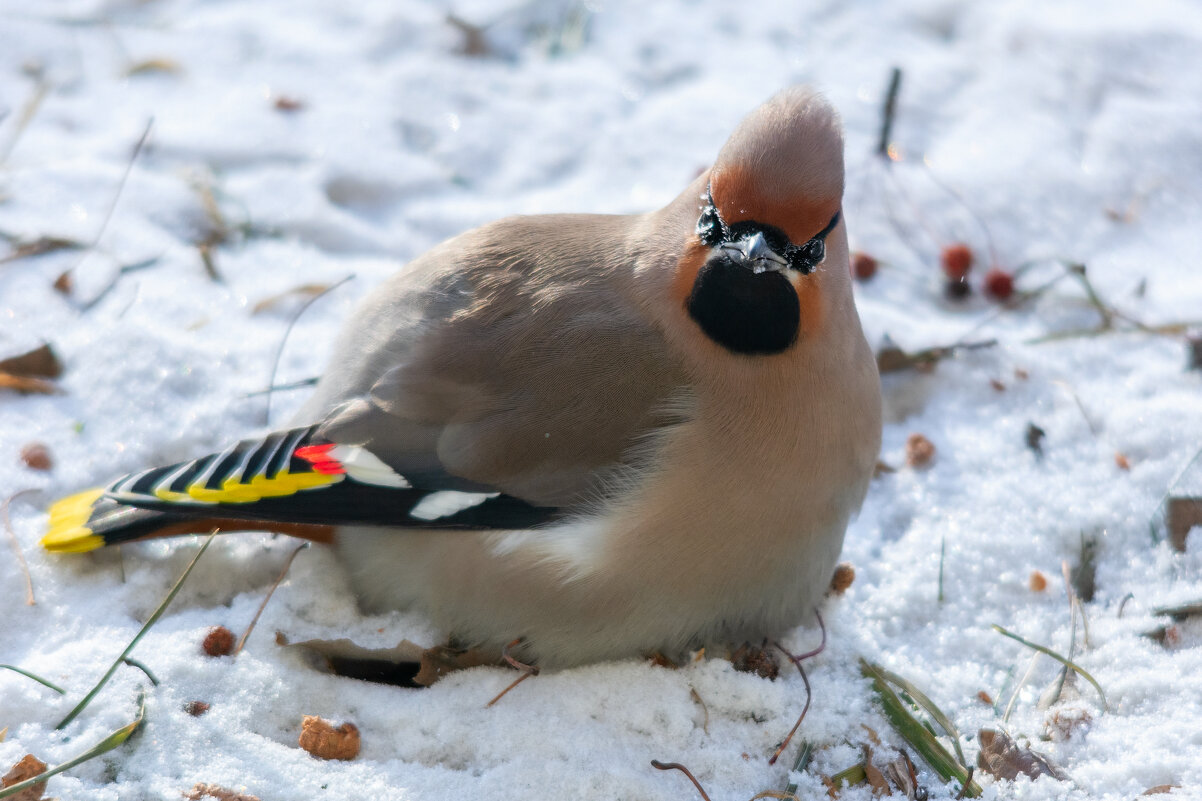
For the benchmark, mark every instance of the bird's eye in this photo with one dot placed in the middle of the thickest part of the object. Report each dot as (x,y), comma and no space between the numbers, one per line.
(709,226)
(804,258)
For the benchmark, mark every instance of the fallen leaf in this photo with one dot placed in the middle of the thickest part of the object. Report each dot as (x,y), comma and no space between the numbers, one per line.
(876,779)
(26,768)
(41,362)
(201,791)
(1002,758)
(196,708)
(1182,515)
(1161,789)
(28,386)
(749,658)
(322,740)
(441,660)
(304,290)
(406,664)
(1034,438)
(920,451)
(900,771)
(64,284)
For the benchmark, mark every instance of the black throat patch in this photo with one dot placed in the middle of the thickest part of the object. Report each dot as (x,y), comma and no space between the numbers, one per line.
(742,311)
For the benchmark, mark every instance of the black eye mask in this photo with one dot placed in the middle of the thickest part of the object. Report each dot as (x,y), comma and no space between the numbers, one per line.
(803,258)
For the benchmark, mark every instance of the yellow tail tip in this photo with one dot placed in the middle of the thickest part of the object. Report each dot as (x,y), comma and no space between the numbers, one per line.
(68,531)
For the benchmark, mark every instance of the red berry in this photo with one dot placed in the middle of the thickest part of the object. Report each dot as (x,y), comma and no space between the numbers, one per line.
(956,260)
(999,283)
(863,266)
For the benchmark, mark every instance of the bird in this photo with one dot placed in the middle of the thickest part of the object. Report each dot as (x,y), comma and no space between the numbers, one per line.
(599,436)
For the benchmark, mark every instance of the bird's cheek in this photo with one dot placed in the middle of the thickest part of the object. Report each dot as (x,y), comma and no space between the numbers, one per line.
(687,268)
(809,297)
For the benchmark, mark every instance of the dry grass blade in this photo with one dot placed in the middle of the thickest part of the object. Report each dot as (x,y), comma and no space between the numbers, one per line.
(1049,652)
(304,290)
(916,734)
(114,740)
(35,677)
(275,365)
(39,247)
(804,755)
(926,703)
(154,618)
(262,606)
(108,216)
(774,794)
(852,776)
(12,535)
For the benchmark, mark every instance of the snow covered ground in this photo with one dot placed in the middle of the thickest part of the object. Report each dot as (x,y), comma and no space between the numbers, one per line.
(308,142)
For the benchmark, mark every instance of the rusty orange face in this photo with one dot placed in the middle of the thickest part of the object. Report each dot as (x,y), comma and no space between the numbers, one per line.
(747,277)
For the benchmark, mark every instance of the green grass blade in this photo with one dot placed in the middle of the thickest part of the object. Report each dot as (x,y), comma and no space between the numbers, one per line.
(853,776)
(1049,652)
(38,679)
(914,733)
(104,746)
(800,764)
(158,613)
(926,703)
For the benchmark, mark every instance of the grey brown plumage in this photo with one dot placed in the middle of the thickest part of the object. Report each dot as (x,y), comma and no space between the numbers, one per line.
(697,477)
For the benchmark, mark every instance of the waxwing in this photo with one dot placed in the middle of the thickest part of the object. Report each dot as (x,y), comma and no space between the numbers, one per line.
(604,435)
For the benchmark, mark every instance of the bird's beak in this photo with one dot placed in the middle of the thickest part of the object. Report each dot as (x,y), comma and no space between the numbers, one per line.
(755,253)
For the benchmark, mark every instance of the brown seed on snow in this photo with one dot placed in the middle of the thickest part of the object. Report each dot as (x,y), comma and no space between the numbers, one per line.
(1039,582)
(920,451)
(1121,460)
(196,708)
(845,574)
(36,456)
(322,740)
(218,642)
(984,698)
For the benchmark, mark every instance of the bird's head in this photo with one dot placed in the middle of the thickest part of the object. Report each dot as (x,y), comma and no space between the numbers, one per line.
(768,226)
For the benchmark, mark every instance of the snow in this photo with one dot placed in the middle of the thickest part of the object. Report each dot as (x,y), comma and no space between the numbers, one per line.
(1039,118)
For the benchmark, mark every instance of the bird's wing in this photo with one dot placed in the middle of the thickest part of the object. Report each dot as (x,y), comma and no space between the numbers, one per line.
(512,359)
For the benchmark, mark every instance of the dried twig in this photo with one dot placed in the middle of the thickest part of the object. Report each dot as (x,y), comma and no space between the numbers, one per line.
(655,763)
(8,528)
(889,112)
(796,660)
(108,216)
(266,598)
(28,111)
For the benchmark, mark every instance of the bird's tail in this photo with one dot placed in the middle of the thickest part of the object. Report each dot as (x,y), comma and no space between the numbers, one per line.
(293,482)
